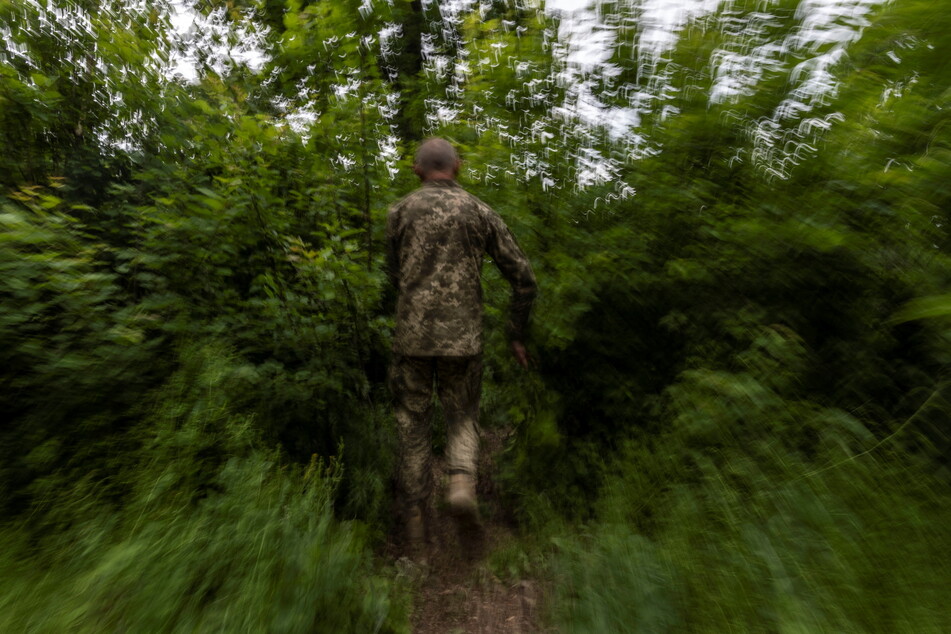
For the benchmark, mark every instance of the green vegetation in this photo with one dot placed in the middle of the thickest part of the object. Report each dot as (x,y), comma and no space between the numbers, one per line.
(215,534)
(739,415)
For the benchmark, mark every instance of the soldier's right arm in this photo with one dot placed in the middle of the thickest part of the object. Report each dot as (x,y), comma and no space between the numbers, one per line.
(392,248)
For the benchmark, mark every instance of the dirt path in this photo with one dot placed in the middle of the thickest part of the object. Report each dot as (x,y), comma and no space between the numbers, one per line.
(460,594)
(464,596)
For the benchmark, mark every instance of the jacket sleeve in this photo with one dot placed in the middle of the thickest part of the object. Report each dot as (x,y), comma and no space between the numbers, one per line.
(516,269)
(392,250)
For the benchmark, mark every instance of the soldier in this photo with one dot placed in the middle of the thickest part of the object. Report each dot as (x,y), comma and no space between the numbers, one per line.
(436,239)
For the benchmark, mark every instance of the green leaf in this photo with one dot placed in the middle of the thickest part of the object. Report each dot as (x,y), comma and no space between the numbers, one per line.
(924,308)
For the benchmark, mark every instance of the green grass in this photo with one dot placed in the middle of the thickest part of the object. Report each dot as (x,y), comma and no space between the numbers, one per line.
(862,548)
(755,512)
(216,534)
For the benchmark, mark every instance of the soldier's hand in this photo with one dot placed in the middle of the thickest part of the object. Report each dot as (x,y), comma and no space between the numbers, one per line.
(521,354)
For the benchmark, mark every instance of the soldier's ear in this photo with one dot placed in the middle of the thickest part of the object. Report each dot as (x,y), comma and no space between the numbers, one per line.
(418,171)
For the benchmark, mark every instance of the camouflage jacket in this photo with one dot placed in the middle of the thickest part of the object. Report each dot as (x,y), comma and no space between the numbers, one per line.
(436,238)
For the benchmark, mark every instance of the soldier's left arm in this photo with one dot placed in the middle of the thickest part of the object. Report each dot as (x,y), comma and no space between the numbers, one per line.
(516,269)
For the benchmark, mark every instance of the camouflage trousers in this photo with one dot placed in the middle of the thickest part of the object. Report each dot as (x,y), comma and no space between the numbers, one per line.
(458,382)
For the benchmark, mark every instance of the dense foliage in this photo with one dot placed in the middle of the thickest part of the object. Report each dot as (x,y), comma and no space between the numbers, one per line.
(738,418)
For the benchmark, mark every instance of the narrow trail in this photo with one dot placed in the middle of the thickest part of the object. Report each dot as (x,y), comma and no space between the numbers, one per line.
(461,594)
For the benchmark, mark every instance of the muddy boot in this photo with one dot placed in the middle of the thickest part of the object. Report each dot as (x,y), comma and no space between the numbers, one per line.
(465,509)
(462,497)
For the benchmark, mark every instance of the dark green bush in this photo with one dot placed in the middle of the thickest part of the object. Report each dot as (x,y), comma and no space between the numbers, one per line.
(217,533)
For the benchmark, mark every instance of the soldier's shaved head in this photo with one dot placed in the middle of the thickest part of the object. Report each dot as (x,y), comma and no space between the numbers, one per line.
(436,156)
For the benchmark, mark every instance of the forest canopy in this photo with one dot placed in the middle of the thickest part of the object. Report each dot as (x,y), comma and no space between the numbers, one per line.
(737,212)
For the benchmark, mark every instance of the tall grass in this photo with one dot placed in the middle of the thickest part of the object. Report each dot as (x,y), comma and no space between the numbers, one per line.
(216,534)
(859,549)
(755,512)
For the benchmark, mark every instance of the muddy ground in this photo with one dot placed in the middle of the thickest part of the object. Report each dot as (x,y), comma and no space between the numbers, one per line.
(458,592)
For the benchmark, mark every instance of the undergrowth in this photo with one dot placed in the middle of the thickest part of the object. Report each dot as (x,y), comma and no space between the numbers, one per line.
(755,512)
(216,534)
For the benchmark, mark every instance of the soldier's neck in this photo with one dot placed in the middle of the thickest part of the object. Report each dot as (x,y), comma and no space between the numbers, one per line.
(439,176)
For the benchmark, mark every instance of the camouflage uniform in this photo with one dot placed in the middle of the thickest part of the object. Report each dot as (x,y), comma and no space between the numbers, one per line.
(436,240)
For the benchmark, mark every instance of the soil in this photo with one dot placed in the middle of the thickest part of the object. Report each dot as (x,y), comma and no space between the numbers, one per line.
(457,591)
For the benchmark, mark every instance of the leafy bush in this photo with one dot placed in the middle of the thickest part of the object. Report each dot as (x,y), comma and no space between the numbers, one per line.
(76,356)
(752,511)
(217,534)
